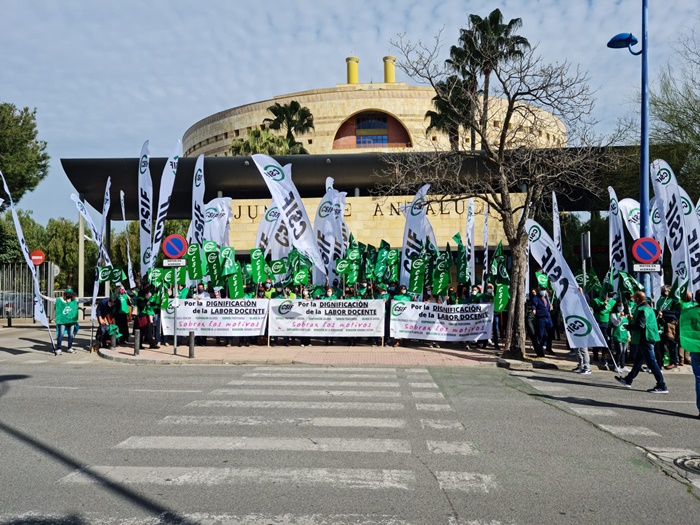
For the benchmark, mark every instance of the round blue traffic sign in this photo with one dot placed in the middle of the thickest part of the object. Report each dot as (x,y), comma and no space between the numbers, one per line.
(174,246)
(646,250)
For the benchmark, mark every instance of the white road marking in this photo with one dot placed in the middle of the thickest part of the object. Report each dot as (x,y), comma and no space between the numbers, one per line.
(417,371)
(53,387)
(671,402)
(433,408)
(319,405)
(368,384)
(218,519)
(458,448)
(323,369)
(296,421)
(440,424)
(465,481)
(592,411)
(422,385)
(427,395)
(319,375)
(346,478)
(34,361)
(80,362)
(629,431)
(306,444)
(168,391)
(303,393)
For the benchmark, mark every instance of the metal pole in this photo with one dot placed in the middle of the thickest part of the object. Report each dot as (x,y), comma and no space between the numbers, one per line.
(191,345)
(176,303)
(81,254)
(644,157)
(137,341)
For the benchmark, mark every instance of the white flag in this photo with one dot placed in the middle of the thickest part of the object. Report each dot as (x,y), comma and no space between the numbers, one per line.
(485,241)
(130,268)
(96,237)
(616,236)
(629,209)
(145,210)
(217,220)
(196,233)
(672,219)
(327,228)
(167,181)
(556,227)
(293,214)
(692,228)
(415,232)
(39,312)
(581,328)
(469,241)
(106,203)
(657,280)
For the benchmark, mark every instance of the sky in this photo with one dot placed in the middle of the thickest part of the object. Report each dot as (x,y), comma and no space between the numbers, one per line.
(105,76)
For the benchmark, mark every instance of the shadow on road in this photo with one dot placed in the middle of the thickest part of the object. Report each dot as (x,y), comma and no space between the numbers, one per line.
(164,514)
(606,404)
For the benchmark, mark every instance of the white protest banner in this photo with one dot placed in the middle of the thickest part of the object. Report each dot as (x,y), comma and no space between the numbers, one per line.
(130,269)
(469,241)
(692,228)
(556,226)
(286,197)
(39,312)
(145,209)
(167,180)
(616,237)
(414,233)
(327,318)
(581,328)
(629,209)
(440,322)
(217,317)
(668,201)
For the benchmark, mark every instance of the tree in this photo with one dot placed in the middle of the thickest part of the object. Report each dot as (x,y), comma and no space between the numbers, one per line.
(34,236)
(262,141)
(538,99)
(23,159)
(674,107)
(292,117)
(442,118)
(487,42)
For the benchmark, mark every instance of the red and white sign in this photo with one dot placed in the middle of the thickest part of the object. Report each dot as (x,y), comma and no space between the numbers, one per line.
(38,257)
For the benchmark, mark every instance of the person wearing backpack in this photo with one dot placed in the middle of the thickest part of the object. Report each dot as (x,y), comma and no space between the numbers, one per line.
(644,333)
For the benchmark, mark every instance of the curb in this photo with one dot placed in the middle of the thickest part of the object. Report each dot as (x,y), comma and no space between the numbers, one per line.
(196,361)
(512,364)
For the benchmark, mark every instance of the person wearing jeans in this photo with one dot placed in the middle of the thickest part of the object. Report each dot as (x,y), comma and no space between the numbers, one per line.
(645,333)
(690,340)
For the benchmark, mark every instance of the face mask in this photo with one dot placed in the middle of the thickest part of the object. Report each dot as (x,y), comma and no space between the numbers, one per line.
(402,291)
(329,294)
(620,309)
(305,293)
(279,290)
(364,285)
(543,293)
(261,294)
(392,288)
(122,292)
(267,286)
(475,292)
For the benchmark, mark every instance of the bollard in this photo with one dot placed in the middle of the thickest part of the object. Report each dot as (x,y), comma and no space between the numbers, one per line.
(191,345)
(8,310)
(113,342)
(137,341)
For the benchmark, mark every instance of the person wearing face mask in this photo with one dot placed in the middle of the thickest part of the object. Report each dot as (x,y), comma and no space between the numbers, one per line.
(268,289)
(144,320)
(278,293)
(363,292)
(541,308)
(304,296)
(329,295)
(475,296)
(620,336)
(122,314)
(645,332)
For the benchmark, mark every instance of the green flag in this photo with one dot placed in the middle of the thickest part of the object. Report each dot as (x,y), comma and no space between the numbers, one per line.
(352,243)
(342,266)
(441,277)
(257,261)
(157,276)
(417,276)
(462,263)
(393,261)
(214,268)
(381,265)
(301,276)
(370,262)
(104,274)
(629,283)
(353,273)
(180,275)
(168,277)
(542,279)
(501,298)
(609,282)
(278,267)
(235,283)
(117,276)
(228,258)
(194,262)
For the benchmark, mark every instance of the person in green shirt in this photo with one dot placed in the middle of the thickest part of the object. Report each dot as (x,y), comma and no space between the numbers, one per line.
(645,333)
(620,335)
(475,296)
(144,319)
(602,306)
(66,318)
(690,340)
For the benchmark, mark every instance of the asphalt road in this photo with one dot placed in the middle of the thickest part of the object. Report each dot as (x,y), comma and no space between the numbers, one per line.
(85,441)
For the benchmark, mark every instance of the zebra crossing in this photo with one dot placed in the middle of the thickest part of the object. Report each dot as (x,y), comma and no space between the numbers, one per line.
(343,430)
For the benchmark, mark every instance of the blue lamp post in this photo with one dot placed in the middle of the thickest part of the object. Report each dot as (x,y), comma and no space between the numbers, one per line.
(627,40)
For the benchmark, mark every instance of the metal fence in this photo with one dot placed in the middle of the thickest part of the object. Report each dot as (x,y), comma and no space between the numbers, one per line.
(17,290)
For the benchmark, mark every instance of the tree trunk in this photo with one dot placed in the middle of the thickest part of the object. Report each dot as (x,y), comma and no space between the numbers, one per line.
(485,109)
(515,327)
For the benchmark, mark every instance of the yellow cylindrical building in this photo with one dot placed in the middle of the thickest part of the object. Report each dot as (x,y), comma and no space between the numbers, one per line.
(353,70)
(389,69)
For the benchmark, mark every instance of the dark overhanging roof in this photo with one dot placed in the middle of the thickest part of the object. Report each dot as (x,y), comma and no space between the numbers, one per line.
(235,177)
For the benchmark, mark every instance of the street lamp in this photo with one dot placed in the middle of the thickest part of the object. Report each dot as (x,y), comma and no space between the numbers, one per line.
(627,40)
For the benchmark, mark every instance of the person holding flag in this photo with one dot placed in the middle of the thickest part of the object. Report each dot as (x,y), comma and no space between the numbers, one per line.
(66,318)
(690,340)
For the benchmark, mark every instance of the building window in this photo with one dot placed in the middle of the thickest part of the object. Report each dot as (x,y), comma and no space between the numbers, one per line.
(310,141)
(371,130)
(371,141)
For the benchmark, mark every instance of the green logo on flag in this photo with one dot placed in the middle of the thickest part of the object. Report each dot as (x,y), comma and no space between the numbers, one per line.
(578,326)
(272,214)
(198,177)
(534,234)
(614,209)
(278,267)
(325,209)
(274,172)
(398,308)
(663,176)
(143,165)
(285,307)
(417,207)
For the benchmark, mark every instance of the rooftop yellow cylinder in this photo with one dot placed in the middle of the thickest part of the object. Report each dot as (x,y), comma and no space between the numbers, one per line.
(389,69)
(353,70)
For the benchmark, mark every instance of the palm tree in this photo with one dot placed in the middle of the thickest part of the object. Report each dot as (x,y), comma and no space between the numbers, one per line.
(462,63)
(262,141)
(451,105)
(291,117)
(489,41)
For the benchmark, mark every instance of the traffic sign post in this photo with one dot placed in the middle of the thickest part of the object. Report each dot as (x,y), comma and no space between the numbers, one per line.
(174,246)
(37,257)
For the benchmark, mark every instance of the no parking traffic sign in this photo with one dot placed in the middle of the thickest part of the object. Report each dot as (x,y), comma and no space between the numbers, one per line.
(646,250)
(174,246)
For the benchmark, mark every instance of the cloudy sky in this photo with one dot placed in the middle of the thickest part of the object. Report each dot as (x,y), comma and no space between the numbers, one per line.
(105,76)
